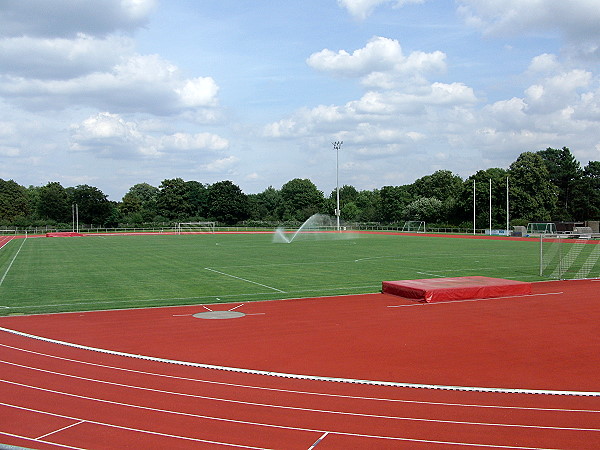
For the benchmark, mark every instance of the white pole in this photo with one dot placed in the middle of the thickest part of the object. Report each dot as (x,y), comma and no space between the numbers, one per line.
(507,210)
(474,215)
(77,216)
(490,218)
(336,146)
(73,217)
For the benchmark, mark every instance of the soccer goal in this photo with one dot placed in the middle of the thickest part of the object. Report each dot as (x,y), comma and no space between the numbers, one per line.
(195,227)
(541,228)
(414,226)
(565,257)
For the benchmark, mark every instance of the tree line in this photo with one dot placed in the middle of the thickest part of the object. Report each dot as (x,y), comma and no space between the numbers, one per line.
(548,185)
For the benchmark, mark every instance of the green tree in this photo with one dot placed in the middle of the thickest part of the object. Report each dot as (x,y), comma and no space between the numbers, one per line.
(265,205)
(585,201)
(55,203)
(144,195)
(172,199)
(442,184)
(428,209)
(227,203)
(393,201)
(300,199)
(14,202)
(532,193)
(93,205)
(369,204)
(564,171)
(197,199)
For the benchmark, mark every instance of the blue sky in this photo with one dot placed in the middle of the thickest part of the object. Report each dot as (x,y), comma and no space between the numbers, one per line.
(255,91)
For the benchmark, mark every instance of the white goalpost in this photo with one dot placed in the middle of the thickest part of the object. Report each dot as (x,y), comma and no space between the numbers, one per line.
(195,227)
(567,257)
(414,226)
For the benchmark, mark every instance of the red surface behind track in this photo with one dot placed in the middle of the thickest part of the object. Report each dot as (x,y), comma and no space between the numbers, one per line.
(56,395)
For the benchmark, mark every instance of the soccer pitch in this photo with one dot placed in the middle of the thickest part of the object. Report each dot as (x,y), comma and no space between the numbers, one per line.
(41,275)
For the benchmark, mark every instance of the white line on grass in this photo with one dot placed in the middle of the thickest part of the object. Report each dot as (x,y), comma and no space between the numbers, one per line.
(11,263)
(243,279)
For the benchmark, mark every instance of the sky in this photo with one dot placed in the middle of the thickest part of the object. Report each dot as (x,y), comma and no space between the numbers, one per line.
(112,93)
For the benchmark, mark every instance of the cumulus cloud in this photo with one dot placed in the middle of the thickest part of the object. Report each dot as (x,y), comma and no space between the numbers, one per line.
(60,58)
(141,83)
(575,20)
(110,135)
(380,63)
(361,9)
(67,18)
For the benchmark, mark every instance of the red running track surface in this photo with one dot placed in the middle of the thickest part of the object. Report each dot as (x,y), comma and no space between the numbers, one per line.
(54,395)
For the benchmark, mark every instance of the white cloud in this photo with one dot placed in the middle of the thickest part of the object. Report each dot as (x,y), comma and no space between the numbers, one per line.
(361,9)
(109,135)
(141,83)
(381,64)
(575,20)
(67,18)
(60,58)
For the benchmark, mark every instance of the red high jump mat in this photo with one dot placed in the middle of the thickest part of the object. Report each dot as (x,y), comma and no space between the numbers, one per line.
(461,288)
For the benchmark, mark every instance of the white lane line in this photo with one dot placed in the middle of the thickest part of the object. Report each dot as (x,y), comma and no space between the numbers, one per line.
(267,405)
(291,391)
(244,279)
(323,436)
(11,262)
(138,430)
(310,377)
(236,307)
(60,429)
(27,438)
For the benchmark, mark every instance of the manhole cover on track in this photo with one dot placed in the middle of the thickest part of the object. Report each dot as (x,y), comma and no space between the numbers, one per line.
(219,315)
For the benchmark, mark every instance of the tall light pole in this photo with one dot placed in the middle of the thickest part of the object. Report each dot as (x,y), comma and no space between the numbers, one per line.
(337,146)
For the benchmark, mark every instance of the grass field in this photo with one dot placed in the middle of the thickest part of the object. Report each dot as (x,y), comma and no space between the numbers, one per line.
(40,275)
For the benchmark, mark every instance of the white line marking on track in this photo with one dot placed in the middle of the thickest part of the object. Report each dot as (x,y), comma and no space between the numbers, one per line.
(26,438)
(341,433)
(265,405)
(243,279)
(60,429)
(291,391)
(236,307)
(310,377)
(323,436)
(138,430)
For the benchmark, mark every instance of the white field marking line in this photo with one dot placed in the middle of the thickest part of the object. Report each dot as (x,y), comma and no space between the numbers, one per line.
(26,438)
(255,294)
(11,262)
(206,307)
(431,274)
(243,279)
(138,430)
(290,391)
(266,405)
(323,436)
(236,307)
(5,241)
(243,422)
(476,299)
(59,430)
(310,377)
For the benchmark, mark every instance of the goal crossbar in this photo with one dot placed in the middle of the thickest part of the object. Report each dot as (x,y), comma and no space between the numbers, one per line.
(196,227)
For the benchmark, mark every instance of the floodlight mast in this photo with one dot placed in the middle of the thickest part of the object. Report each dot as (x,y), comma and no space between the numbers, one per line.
(337,145)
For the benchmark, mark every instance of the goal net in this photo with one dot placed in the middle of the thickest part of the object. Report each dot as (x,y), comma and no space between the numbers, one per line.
(565,257)
(541,228)
(414,226)
(195,227)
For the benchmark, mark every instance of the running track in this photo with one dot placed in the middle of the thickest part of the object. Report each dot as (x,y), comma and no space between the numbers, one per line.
(59,396)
